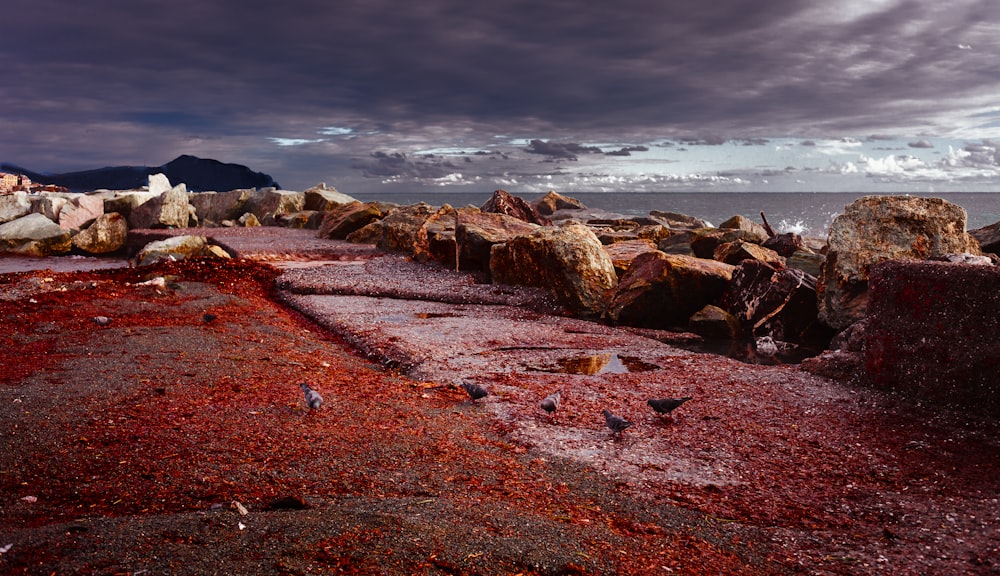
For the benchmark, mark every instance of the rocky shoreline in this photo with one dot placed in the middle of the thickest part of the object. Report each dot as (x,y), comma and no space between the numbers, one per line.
(770,469)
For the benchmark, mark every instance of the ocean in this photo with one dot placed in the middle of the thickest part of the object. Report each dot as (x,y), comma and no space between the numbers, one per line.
(806,213)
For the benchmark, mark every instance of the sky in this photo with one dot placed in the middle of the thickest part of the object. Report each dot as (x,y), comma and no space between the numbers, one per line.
(528,96)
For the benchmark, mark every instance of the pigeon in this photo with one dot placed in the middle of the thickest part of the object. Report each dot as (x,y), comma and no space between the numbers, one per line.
(616,423)
(313,399)
(666,405)
(101,320)
(475,390)
(550,403)
(208,317)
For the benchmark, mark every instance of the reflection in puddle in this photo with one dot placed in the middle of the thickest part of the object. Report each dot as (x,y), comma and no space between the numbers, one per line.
(426,315)
(597,364)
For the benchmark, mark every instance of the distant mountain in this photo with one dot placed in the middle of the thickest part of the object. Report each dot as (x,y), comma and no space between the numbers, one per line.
(198,174)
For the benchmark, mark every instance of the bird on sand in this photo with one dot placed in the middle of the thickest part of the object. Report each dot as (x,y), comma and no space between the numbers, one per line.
(313,399)
(474,390)
(550,403)
(616,423)
(208,317)
(666,405)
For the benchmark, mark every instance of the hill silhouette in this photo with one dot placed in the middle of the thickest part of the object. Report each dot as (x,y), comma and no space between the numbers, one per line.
(198,174)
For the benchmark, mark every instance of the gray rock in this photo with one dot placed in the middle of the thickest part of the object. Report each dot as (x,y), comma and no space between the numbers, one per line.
(158,183)
(167,210)
(34,235)
(81,211)
(322,198)
(178,248)
(14,206)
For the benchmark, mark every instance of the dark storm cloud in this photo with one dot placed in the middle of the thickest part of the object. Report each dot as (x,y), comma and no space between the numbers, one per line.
(157,78)
(395,164)
(560,150)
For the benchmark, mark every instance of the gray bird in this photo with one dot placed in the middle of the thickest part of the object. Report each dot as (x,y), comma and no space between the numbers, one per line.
(666,405)
(313,399)
(550,403)
(474,390)
(616,423)
(208,317)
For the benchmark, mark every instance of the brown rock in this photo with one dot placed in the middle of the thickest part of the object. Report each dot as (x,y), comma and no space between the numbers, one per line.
(479,231)
(674,220)
(503,202)
(988,237)
(623,253)
(785,244)
(553,201)
(569,261)
(663,290)
(107,234)
(322,198)
(740,250)
(877,228)
(776,303)
(753,232)
(714,323)
(343,219)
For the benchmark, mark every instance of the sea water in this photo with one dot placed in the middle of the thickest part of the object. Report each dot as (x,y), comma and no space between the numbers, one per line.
(806,213)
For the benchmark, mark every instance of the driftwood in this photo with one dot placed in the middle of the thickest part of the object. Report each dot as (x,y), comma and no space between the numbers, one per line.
(767,227)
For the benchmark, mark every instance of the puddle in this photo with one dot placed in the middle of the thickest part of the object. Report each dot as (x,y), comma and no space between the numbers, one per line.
(14,263)
(426,315)
(597,364)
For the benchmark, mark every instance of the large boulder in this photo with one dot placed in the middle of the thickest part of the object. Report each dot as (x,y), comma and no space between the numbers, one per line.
(13,206)
(107,234)
(623,253)
(479,231)
(271,205)
(400,229)
(931,332)
(553,201)
(123,202)
(779,303)
(81,211)
(322,198)
(158,183)
(569,261)
(342,219)
(167,210)
(34,235)
(878,228)
(213,208)
(663,290)
(49,204)
(503,202)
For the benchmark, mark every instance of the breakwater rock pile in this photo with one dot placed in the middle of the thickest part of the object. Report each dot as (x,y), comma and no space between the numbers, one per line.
(758,295)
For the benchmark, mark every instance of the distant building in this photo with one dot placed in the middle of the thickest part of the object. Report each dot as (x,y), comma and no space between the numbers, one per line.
(12,182)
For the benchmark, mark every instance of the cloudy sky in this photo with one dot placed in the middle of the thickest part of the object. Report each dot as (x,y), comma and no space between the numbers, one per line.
(369,95)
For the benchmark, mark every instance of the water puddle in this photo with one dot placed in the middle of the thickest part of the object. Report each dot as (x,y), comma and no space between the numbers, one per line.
(429,315)
(597,364)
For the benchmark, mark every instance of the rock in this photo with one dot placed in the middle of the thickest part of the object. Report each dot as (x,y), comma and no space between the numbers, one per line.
(663,290)
(553,201)
(399,230)
(740,250)
(807,261)
(158,183)
(107,234)
(706,240)
(988,237)
(80,212)
(931,332)
(217,207)
(306,219)
(342,219)
(753,232)
(479,231)
(34,235)
(124,202)
(838,365)
(321,198)
(785,244)
(609,235)
(776,303)
(503,202)
(47,204)
(878,228)
(248,220)
(271,206)
(569,261)
(714,323)
(674,220)
(623,253)
(679,242)
(653,232)
(167,210)
(177,248)
(964,258)
(13,206)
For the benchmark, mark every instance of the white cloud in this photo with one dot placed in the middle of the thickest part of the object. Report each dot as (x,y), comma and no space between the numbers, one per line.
(294,141)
